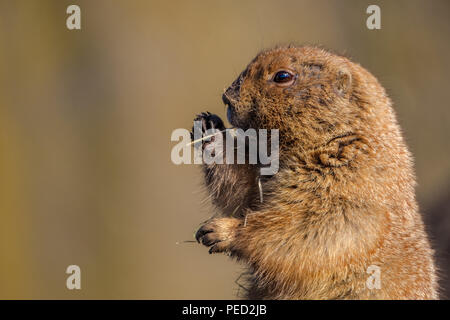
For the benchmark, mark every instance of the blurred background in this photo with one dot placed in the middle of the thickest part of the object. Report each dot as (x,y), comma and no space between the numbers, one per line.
(86,118)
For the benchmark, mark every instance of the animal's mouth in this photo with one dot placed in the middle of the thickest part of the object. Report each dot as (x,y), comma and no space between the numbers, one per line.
(231,110)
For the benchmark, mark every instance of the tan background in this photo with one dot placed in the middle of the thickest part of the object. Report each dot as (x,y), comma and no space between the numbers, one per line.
(86,118)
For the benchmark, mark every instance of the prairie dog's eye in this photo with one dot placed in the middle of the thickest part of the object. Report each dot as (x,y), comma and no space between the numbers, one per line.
(283,77)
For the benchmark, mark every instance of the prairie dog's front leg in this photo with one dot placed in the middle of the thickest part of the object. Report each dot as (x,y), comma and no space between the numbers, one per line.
(219,234)
(232,186)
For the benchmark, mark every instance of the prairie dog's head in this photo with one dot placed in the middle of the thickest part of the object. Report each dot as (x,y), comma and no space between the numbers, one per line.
(309,94)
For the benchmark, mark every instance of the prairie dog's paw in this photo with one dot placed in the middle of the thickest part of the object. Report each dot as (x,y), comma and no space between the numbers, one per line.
(208,121)
(218,234)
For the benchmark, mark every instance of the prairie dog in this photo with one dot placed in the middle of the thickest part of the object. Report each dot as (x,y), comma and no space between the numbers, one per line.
(343,199)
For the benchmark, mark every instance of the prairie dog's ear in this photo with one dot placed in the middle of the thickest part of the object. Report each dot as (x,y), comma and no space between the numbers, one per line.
(343,82)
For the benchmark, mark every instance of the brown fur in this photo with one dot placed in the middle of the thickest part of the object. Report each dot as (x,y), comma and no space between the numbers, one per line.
(343,198)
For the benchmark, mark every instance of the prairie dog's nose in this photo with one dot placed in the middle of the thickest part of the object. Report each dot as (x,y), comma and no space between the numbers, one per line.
(231,95)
